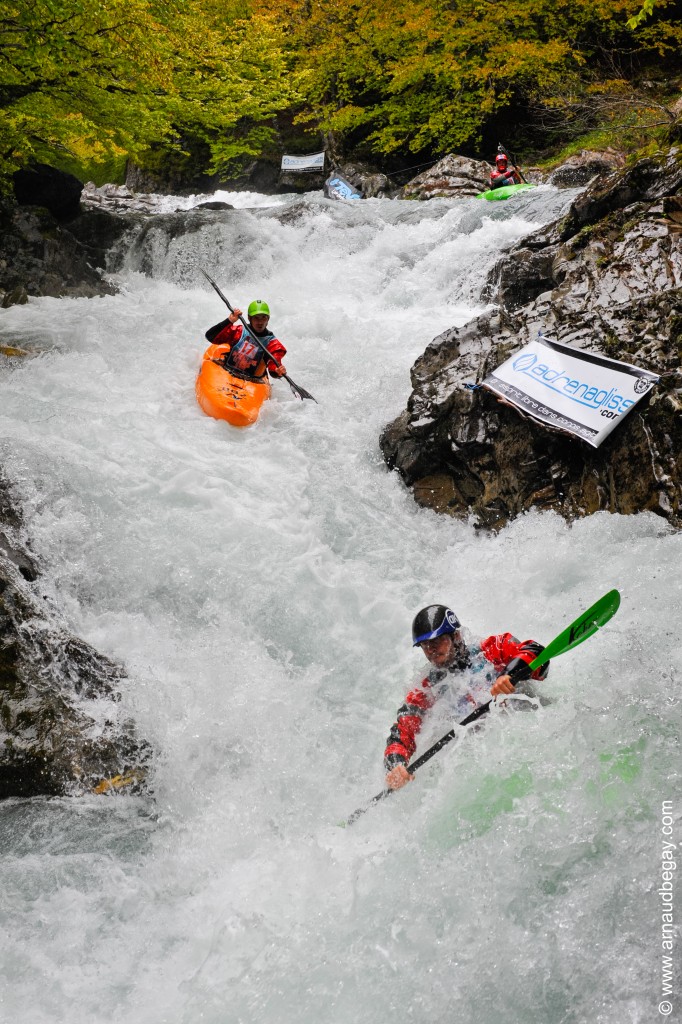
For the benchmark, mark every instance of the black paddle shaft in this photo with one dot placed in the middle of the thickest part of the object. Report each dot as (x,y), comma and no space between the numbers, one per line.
(299,391)
(516,674)
(426,756)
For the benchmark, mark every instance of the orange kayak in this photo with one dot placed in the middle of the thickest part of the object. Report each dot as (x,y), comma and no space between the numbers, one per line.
(225,395)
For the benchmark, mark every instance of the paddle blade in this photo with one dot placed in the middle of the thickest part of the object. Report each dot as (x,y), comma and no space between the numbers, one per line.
(583,627)
(131,778)
(298,390)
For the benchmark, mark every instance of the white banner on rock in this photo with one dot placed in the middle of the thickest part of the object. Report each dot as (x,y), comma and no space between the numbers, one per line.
(580,392)
(312,162)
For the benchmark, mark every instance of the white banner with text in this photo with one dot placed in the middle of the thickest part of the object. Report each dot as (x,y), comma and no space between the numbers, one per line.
(583,393)
(312,162)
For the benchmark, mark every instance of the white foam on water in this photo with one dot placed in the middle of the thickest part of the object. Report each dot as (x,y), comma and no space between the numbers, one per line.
(259,587)
(239,200)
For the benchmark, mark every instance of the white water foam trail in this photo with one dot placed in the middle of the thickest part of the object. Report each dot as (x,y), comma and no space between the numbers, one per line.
(259,587)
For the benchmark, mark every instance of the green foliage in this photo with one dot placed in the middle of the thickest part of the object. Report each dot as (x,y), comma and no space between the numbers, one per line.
(601,114)
(110,169)
(645,12)
(102,79)
(75,76)
(230,96)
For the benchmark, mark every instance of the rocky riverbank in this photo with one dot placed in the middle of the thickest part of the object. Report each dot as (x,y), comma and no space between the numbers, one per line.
(607,277)
(61,728)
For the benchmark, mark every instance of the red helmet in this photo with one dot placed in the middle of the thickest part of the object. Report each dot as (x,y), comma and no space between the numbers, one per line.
(500,159)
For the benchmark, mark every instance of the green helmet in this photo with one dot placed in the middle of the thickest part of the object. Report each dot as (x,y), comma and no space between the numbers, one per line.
(258,308)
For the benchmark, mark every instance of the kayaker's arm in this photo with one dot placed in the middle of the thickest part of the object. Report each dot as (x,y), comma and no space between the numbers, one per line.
(213,332)
(277,349)
(227,326)
(402,739)
(517,675)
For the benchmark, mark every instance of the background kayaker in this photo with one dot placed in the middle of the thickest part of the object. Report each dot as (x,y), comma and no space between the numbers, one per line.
(460,680)
(245,355)
(503,173)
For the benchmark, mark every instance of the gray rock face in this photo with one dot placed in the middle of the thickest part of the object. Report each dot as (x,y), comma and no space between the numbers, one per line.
(451,176)
(584,166)
(39,256)
(60,731)
(117,198)
(608,278)
(40,253)
(300,181)
(370,183)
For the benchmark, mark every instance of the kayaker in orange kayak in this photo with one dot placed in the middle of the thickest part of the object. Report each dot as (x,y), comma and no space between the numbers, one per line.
(244,353)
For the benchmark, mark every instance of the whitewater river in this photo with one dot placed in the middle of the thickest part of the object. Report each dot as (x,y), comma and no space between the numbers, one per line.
(259,587)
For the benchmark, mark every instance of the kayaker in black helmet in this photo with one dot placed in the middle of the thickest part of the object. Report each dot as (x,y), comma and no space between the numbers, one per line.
(503,173)
(463,674)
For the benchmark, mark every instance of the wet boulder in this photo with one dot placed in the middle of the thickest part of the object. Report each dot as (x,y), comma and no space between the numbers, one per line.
(116,198)
(451,176)
(121,199)
(581,168)
(40,256)
(370,183)
(61,731)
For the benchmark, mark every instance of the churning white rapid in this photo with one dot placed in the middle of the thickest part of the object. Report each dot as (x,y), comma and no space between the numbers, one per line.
(259,588)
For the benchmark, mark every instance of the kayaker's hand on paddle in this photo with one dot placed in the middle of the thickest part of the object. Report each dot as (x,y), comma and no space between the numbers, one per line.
(277,371)
(398,777)
(234,316)
(502,684)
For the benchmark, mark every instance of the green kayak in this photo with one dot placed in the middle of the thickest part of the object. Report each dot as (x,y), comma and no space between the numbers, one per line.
(505,192)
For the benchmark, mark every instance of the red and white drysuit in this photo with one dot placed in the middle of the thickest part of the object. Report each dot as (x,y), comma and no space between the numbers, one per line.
(462,686)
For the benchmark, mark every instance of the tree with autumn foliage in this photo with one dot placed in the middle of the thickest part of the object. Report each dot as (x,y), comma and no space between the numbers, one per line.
(426,75)
(95,78)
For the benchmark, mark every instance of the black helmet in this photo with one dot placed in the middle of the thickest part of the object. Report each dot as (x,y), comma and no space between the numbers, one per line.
(432,622)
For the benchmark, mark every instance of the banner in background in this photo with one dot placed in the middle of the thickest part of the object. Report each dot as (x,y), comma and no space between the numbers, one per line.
(336,187)
(580,392)
(312,162)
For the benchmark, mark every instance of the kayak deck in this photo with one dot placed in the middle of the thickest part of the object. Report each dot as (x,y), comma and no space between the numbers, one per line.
(506,192)
(227,396)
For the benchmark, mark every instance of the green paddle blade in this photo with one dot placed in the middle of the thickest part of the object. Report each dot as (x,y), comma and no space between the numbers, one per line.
(585,625)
